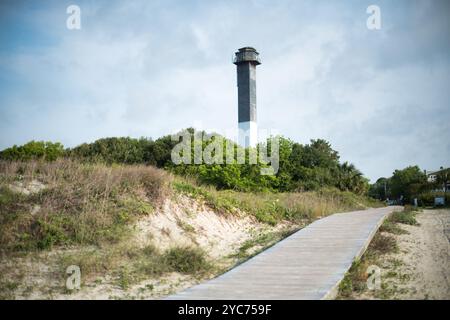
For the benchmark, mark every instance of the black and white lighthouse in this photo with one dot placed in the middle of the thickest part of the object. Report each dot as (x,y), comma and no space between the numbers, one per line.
(246,59)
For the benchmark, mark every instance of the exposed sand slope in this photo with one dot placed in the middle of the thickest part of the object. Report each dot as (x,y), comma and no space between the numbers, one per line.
(181,221)
(188,222)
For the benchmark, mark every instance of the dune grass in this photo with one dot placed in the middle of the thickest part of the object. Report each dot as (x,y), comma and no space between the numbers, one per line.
(407,216)
(87,212)
(271,208)
(130,264)
(80,203)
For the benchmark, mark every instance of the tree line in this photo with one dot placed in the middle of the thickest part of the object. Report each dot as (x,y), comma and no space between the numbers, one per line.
(412,182)
(302,167)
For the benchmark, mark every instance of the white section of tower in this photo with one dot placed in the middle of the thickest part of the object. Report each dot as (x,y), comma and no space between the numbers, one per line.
(248,134)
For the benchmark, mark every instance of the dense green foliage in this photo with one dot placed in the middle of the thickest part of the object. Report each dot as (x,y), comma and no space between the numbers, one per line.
(125,150)
(34,150)
(301,166)
(408,182)
(112,150)
(411,183)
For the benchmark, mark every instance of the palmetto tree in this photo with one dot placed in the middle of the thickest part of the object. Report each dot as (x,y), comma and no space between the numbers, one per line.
(350,178)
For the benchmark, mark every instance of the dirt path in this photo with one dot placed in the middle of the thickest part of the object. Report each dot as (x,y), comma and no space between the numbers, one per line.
(425,256)
(411,252)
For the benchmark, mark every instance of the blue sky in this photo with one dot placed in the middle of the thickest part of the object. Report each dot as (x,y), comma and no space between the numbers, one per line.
(147,68)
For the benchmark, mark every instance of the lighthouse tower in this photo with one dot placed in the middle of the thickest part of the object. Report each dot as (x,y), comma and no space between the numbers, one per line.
(246,59)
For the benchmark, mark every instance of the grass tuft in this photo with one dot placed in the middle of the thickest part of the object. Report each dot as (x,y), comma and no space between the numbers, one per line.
(186,260)
(391,227)
(382,244)
(407,216)
(130,265)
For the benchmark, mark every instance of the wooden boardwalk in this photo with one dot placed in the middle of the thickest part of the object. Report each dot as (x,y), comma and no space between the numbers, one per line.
(309,264)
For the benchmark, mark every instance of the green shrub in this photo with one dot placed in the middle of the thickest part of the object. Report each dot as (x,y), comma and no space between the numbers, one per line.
(114,150)
(34,150)
(51,232)
(406,217)
(426,199)
(186,260)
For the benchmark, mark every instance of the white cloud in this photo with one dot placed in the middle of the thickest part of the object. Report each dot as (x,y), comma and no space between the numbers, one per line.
(148,68)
